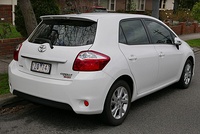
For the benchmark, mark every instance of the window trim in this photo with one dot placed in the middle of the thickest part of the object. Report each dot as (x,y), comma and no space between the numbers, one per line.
(145,29)
(138,5)
(109,5)
(162,4)
(148,31)
(120,29)
(30,38)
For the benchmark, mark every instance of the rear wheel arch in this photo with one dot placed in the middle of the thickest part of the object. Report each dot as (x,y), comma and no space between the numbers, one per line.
(129,81)
(114,105)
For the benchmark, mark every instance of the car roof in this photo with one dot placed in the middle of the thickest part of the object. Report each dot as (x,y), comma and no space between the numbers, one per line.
(96,16)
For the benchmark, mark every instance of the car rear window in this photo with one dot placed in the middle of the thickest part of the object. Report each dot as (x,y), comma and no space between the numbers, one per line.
(60,32)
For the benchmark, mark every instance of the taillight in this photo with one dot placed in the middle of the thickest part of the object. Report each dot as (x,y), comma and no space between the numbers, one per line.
(90,61)
(16,52)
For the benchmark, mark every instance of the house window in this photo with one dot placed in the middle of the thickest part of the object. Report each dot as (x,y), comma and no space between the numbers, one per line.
(162,4)
(112,4)
(140,5)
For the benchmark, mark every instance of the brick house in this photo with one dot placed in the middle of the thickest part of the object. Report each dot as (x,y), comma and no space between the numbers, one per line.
(138,5)
(7,9)
(120,5)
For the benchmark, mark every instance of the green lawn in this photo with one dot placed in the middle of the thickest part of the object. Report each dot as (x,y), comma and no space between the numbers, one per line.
(4,88)
(194,43)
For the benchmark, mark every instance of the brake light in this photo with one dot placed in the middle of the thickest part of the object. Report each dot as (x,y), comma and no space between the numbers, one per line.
(16,52)
(90,61)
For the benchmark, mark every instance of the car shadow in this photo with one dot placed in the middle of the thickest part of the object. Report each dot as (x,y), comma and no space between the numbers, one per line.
(154,97)
(69,121)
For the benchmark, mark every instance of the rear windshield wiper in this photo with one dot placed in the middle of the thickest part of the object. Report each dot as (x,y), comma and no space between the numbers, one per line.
(43,40)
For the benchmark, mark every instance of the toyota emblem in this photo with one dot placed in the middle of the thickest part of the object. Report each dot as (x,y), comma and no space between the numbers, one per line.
(42,48)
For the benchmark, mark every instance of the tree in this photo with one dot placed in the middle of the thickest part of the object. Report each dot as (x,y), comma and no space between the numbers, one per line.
(28,14)
(77,6)
(155,8)
(187,3)
(39,7)
(176,5)
(196,11)
(44,7)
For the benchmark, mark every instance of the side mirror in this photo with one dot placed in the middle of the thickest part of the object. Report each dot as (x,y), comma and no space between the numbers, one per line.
(177,42)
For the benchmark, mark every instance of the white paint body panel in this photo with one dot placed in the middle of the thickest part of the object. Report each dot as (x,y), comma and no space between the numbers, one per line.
(142,64)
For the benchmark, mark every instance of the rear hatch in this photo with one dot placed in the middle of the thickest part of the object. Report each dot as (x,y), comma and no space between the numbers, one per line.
(52,48)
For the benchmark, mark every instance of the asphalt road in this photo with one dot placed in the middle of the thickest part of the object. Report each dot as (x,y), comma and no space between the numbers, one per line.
(169,111)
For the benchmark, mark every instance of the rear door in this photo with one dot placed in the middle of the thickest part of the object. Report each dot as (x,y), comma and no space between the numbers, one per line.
(53,47)
(140,55)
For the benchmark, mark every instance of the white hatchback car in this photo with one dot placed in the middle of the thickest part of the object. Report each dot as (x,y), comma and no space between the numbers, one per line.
(98,63)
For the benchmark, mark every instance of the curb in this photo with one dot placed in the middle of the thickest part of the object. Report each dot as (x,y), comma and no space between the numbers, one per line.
(9,99)
(195,49)
(4,65)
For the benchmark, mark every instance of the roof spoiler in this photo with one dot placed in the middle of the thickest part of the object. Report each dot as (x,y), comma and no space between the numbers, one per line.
(64,18)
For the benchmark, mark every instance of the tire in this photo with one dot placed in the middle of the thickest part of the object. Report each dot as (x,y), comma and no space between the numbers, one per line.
(186,75)
(118,100)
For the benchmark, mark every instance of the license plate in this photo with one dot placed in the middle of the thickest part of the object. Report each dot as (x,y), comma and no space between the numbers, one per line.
(40,67)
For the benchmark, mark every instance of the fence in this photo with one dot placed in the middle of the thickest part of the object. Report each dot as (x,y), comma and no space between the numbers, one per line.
(184,28)
(7,46)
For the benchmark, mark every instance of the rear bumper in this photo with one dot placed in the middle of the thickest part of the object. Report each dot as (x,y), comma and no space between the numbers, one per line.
(90,86)
(42,101)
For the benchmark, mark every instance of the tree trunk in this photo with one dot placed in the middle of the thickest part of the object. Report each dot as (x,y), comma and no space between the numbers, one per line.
(155,8)
(28,14)
(176,5)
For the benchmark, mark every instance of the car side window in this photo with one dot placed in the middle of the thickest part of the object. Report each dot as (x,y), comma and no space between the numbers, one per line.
(132,32)
(159,33)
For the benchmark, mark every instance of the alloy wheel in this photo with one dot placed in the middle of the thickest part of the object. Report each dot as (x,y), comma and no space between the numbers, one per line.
(188,74)
(119,102)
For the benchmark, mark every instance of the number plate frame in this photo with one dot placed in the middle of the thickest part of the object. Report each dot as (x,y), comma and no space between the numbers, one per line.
(41,67)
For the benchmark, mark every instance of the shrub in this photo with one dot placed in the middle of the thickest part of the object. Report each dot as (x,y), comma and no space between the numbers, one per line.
(196,11)
(7,30)
(181,15)
(44,7)
(40,8)
(4,30)
(19,22)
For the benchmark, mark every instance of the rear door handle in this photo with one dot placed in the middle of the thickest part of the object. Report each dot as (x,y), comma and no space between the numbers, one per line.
(132,58)
(161,54)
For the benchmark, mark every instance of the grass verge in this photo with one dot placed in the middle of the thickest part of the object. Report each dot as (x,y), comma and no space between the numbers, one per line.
(194,42)
(4,88)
